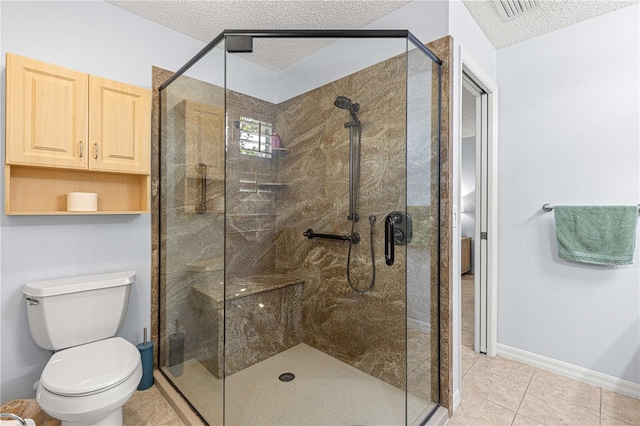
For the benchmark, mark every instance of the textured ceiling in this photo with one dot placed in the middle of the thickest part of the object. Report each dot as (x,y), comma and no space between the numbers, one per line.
(204,20)
(552,15)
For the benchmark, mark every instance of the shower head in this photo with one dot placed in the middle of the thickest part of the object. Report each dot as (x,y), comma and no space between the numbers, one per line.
(343,102)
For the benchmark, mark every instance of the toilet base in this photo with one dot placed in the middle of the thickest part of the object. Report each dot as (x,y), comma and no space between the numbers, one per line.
(113,419)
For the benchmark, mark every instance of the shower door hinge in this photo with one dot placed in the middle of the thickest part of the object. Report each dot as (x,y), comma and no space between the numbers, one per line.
(483,235)
(239,44)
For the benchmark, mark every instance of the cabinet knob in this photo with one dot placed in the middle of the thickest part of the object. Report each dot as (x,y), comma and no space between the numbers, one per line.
(81,147)
(96,150)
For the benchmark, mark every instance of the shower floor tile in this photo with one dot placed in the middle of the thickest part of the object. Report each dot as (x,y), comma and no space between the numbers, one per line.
(325,391)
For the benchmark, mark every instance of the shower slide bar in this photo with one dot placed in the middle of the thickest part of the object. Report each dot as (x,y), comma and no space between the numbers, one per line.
(549,207)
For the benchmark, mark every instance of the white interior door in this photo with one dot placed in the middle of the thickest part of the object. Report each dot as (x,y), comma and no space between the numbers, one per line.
(481,210)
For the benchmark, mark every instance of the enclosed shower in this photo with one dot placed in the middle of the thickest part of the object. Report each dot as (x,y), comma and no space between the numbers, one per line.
(299,223)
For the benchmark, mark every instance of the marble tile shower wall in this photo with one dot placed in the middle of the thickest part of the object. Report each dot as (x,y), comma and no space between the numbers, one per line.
(264,229)
(366,331)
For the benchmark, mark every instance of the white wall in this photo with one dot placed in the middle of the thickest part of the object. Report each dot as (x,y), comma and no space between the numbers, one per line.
(468,35)
(569,120)
(427,20)
(100,39)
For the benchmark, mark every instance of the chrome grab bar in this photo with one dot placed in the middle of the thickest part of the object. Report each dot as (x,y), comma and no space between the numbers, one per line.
(14,417)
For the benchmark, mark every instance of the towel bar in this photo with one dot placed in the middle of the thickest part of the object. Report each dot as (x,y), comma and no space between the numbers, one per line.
(548,207)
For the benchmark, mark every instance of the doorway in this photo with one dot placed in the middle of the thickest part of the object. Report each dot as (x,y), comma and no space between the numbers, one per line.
(478,201)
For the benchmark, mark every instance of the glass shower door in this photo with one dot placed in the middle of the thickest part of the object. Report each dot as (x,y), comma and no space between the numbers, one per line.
(192,150)
(299,230)
(316,238)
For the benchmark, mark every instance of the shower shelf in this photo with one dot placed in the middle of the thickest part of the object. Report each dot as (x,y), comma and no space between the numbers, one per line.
(250,214)
(264,184)
(246,231)
(283,150)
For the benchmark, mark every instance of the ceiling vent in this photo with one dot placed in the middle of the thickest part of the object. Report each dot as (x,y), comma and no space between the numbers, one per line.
(511,8)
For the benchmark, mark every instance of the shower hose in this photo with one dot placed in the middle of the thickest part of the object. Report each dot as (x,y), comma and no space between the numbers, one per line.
(372,220)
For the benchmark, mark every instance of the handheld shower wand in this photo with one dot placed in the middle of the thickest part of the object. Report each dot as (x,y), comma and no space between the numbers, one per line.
(343,102)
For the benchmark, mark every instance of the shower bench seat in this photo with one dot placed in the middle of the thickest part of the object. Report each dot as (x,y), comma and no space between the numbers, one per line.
(263,318)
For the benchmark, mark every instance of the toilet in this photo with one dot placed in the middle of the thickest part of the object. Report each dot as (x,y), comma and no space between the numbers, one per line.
(92,374)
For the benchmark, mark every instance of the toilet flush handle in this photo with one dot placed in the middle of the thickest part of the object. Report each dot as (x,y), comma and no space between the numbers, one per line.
(32,301)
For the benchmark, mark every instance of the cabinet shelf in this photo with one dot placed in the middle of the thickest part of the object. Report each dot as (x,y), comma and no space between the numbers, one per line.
(43,191)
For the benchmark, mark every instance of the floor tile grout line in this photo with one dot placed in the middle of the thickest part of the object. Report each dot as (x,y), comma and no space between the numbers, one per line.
(510,378)
(525,394)
(601,406)
(493,402)
(572,400)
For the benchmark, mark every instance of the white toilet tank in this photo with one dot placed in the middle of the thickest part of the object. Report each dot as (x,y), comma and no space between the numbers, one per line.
(73,311)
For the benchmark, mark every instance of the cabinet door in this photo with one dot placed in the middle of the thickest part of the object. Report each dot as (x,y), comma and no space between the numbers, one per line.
(119,126)
(46,114)
(204,139)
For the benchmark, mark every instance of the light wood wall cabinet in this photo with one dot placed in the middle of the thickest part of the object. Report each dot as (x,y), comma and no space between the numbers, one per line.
(60,120)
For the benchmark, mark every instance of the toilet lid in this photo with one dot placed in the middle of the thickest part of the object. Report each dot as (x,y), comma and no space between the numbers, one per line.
(90,368)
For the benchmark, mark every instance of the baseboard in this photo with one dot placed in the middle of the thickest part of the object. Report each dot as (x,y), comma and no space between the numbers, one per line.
(457,400)
(591,377)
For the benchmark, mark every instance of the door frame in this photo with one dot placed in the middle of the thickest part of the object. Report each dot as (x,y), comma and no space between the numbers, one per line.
(477,74)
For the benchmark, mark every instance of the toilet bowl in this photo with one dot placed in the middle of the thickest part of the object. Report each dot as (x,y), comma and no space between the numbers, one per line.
(92,374)
(89,384)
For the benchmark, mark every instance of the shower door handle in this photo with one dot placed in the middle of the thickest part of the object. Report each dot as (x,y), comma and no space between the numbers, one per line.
(389,241)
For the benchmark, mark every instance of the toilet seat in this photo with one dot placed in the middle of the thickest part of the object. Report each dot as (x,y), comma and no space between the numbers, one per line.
(90,369)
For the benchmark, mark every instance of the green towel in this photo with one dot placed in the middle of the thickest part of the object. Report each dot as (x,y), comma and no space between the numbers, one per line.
(604,235)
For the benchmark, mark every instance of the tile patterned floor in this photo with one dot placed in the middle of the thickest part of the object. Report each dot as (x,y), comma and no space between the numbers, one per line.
(145,408)
(499,391)
(148,407)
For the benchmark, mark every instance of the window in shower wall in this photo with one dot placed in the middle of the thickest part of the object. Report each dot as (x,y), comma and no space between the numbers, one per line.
(255,137)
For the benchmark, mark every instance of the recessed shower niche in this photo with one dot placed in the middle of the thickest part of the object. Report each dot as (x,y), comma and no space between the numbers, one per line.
(281,188)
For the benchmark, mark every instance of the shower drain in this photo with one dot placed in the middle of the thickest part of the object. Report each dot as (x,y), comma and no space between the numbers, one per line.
(286,377)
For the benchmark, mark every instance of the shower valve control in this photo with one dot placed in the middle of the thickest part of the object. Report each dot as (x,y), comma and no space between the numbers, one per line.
(402,232)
